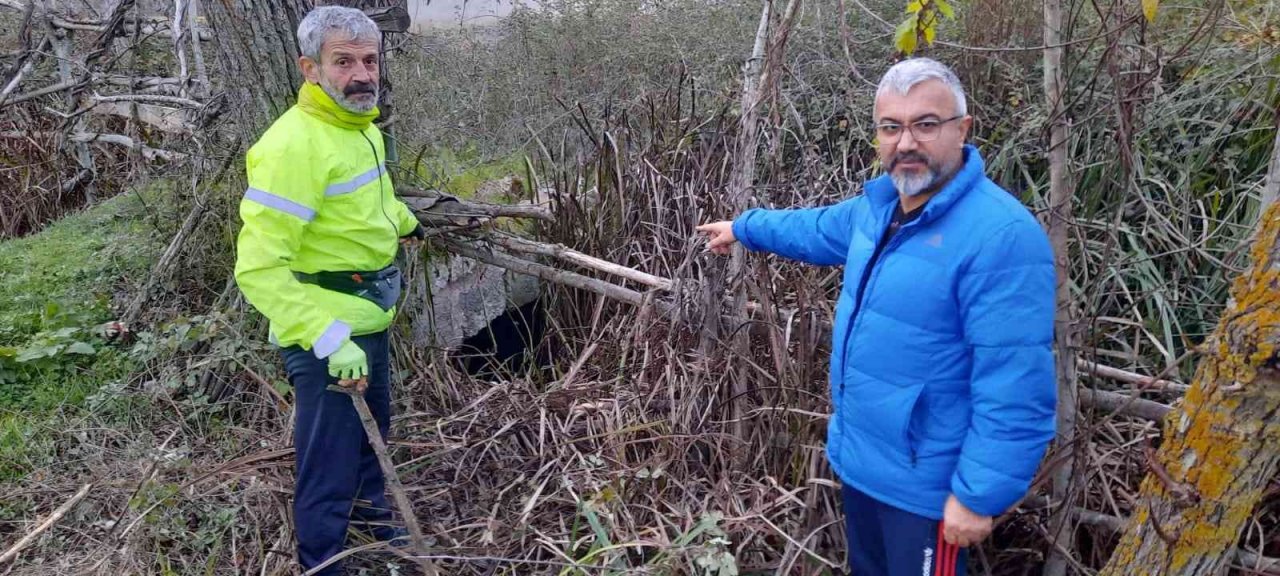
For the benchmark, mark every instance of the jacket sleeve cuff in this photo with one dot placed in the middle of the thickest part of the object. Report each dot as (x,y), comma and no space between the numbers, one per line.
(741,233)
(984,491)
(418,232)
(331,339)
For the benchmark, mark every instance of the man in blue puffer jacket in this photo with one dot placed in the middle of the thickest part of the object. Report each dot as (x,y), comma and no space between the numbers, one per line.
(942,370)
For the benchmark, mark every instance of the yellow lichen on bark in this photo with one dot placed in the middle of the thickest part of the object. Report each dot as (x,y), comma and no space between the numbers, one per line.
(1222,444)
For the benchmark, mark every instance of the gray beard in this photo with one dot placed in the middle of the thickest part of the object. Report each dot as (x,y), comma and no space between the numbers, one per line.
(914,184)
(341,99)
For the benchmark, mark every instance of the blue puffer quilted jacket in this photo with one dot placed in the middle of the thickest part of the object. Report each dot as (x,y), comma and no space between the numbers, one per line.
(943,377)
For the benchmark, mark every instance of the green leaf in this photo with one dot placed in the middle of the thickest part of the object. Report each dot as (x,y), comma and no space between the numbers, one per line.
(37,352)
(80,348)
(945,8)
(602,536)
(67,332)
(914,6)
(1149,9)
(930,33)
(904,38)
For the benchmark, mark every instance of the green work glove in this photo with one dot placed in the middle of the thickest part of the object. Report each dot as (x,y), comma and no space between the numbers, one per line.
(348,362)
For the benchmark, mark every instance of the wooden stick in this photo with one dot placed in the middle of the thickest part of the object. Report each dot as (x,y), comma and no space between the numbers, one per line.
(550,274)
(136,82)
(154,98)
(48,523)
(1124,404)
(392,479)
(1142,382)
(26,68)
(165,119)
(427,203)
(562,252)
(38,93)
(161,270)
(119,140)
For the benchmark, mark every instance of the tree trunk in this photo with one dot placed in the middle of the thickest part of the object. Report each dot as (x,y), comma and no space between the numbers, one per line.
(257,51)
(1221,447)
(741,179)
(1060,197)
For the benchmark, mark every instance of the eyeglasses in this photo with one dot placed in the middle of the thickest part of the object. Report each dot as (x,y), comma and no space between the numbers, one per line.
(921,131)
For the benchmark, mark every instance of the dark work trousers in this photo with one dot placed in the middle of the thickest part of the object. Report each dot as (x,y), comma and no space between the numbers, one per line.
(334,462)
(886,541)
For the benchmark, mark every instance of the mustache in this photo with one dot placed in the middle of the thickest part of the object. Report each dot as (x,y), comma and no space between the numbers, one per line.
(913,156)
(360,88)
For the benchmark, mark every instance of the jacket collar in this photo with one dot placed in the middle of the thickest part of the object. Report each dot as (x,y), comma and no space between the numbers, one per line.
(313,100)
(882,192)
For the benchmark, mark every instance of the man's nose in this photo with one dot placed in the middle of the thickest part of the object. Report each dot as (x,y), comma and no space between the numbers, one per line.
(367,73)
(907,141)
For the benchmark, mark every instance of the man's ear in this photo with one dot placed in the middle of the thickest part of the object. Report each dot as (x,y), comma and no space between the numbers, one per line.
(965,124)
(310,69)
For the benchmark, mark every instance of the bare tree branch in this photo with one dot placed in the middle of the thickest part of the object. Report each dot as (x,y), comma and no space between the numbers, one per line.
(156,98)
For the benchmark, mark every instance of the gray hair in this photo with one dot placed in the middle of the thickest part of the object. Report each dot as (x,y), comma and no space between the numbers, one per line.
(319,23)
(907,73)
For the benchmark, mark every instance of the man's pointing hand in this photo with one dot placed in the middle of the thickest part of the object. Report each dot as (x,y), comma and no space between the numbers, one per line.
(720,237)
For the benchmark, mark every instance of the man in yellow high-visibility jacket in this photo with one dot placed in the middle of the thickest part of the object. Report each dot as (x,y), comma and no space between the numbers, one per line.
(321,229)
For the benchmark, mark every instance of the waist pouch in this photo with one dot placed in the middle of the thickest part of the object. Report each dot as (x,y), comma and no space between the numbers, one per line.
(382,287)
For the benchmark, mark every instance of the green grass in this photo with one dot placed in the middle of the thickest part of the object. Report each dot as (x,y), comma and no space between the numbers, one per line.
(56,289)
(462,173)
(75,264)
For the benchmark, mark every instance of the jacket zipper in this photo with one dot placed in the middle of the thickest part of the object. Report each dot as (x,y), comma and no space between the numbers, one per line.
(865,284)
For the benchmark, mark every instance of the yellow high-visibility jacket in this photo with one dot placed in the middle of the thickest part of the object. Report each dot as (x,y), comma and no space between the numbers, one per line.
(319,199)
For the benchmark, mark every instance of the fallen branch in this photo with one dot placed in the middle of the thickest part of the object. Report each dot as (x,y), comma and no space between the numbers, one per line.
(1123,404)
(38,93)
(48,523)
(25,69)
(171,120)
(1142,382)
(147,152)
(157,98)
(434,206)
(161,268)
(389,475)
(138,82)
(551,274)
(561,252)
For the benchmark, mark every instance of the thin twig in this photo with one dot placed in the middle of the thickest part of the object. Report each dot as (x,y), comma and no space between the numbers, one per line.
(48,523)
(389,475)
